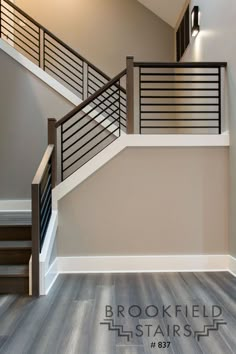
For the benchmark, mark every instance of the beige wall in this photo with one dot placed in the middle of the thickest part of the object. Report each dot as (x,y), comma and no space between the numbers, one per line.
(106,31)
(25,104)
(215,42)
(150,201)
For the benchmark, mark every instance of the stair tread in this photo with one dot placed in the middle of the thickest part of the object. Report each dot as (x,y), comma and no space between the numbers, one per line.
(15,245)
(14,270)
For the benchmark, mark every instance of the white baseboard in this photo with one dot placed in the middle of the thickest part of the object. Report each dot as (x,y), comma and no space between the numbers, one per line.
(232,265)
(138,264)
(120,264)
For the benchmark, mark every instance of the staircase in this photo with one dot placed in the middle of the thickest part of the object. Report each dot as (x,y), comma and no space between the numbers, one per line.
(144,98)
(15,253)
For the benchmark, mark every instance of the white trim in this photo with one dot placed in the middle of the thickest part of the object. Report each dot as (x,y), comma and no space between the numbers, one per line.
(50,278)
(134,141)
(49,239)
(48,273)
(30,276)
(124,264)
(177,140)
(138,264)
(232,265)
(15,205)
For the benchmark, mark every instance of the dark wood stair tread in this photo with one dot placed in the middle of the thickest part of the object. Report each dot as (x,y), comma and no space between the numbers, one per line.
(14,271)
(9,245)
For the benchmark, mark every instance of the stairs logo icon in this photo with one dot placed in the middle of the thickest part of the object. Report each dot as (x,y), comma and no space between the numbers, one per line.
(207,328)
(118,328)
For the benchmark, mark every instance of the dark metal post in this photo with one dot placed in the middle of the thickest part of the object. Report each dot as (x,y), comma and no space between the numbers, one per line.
(85,80)
(140,102)
(220,106)
(35,238)
(0,18)
(119,108)
(130,94)
(52,140)
(40,47)
(43,49)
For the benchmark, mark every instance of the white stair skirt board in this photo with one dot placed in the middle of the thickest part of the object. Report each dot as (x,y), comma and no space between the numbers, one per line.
(48,272)
(120,264)
(232,265)
(133,141)
(15,212)
(54,84)
(30,276)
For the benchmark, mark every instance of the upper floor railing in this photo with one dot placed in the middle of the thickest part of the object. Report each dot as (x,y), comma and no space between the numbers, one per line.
(49,52)
(180,97)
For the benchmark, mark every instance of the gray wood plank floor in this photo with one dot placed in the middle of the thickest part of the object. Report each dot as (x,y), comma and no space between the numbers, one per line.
(68,320)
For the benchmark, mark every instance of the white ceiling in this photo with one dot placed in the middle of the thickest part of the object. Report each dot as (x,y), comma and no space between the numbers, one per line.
(167,10)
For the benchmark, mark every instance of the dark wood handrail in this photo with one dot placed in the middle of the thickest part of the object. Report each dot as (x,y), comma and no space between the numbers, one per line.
(180,65)
(90,99)
(57,39)
(43,164)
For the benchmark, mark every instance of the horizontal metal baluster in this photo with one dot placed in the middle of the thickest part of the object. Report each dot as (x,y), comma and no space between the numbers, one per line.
(16,30)
(62,72)
(89,141)
(57,48)
(20,19)
(59,56)
(78,77)
(16,23)
(179,119)
(18,45)
(92,120)
(15,36)
(86,114)
(112,133)
(46,67)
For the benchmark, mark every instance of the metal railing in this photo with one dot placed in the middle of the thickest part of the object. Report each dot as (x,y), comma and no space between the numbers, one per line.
(92,126)
(49,52)
(180,97)
(167,98)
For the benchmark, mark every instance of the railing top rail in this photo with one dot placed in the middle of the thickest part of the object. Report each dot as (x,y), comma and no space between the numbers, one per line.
(90,99)
(23,13)
(43,164)
(180,65)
